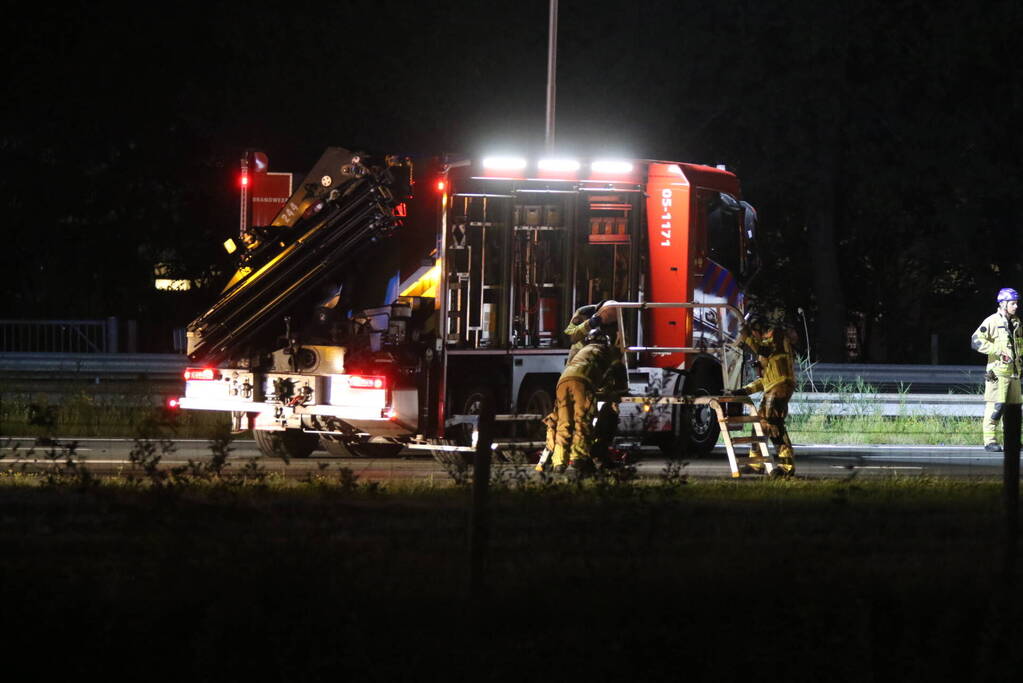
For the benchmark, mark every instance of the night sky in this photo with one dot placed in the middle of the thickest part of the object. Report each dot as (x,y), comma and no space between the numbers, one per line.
(879,140)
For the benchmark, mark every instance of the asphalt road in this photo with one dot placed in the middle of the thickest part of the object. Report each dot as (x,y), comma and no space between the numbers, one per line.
(111,456)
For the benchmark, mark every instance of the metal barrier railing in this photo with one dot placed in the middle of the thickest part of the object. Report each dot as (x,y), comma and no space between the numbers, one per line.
(720,351)
(59,336)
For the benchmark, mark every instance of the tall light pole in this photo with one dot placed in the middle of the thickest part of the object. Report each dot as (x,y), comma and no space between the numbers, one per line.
(552,67)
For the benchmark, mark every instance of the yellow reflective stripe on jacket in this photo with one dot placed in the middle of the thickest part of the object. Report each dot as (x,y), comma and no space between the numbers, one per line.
(599,366)
(777,366)
(993,339)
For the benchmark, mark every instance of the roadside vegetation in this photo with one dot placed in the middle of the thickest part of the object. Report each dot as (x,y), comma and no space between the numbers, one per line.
(880,429)
(218,570)
(863,421)
(94,414)
(107,415)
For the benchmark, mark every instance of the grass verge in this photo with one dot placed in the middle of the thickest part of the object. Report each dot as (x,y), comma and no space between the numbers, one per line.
(87,413)
(216,578)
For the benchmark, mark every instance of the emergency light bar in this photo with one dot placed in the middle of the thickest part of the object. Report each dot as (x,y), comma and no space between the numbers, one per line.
(558,165)
(504,163)
(611,166)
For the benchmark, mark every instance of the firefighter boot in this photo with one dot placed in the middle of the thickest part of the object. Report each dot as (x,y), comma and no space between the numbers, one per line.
(558,459)
(545,461)
(786,462)
(756,462)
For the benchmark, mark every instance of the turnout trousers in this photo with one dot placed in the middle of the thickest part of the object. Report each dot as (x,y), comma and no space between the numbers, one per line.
(774,408)
(998,391)
(576,406)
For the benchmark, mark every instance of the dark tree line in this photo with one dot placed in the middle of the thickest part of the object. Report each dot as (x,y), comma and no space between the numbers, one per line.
(879,140)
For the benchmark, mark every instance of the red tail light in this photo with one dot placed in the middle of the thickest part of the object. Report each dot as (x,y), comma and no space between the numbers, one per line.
(173,403)
(366,382)
(202,374)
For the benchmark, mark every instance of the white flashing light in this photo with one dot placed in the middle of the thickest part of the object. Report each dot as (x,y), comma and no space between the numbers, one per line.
(611,166)
(504,163)
(558,165)
(168,285)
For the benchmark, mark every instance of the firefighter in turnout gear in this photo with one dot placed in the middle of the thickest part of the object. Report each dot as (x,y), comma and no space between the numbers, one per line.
(595,372)
(774,348)
(1001,339)
(583,321)
(579,326)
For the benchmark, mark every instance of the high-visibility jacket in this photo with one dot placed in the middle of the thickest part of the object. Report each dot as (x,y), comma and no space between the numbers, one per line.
(1000,337)
(601,368)
(578,327)
(777,359)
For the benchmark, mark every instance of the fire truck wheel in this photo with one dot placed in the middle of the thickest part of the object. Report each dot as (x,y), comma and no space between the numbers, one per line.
(291,443)
(699,425)
(536,399)
(470,403)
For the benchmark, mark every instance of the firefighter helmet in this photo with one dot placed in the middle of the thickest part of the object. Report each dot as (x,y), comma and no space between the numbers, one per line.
(1007,294)
(756,320)
(598,336)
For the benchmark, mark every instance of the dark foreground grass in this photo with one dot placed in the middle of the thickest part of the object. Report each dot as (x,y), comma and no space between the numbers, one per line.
(708,581)
(99,412)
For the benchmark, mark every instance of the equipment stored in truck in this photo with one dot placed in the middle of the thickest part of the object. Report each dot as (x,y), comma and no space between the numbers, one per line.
(388,299)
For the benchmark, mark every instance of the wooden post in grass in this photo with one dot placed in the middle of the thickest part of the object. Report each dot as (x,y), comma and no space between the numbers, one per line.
(1011,419)
(479,522)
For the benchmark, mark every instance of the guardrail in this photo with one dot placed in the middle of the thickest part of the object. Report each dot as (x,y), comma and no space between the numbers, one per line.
(890,405)
(169,366)
(157,366)
(823,375)
(895,377)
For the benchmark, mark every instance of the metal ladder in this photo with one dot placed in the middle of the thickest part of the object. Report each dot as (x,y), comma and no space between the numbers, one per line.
(730,423)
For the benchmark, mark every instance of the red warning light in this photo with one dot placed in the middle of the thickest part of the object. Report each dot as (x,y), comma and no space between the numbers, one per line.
(202,374)
(441,185)
(244,180)
(365,382)
(173,403)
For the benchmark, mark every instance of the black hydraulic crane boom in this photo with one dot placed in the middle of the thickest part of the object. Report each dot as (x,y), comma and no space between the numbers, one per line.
(345,203)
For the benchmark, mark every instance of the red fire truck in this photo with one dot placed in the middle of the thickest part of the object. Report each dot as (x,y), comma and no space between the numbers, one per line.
(388,299)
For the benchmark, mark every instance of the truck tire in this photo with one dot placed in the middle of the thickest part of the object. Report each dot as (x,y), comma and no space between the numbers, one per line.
(291,443)
(469,403)
(699,429)
(536,398)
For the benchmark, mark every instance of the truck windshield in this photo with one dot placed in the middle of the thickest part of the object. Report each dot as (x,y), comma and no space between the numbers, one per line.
(724,232)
